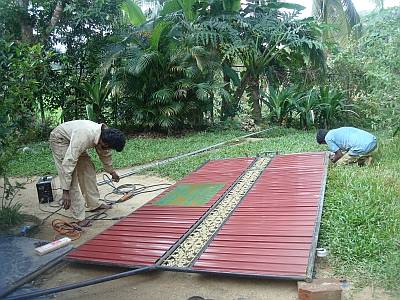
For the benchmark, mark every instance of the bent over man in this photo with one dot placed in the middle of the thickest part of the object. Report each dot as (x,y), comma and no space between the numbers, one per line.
(69,142)
(349,145)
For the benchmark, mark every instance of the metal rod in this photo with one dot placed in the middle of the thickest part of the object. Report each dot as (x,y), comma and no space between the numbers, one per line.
(167,160)
(80,284)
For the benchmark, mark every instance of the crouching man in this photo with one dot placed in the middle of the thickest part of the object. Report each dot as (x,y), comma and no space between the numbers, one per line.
(69,142)
(349,145)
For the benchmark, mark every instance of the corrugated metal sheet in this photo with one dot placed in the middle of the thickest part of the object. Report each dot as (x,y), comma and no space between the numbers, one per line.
(145,235)
(273,232)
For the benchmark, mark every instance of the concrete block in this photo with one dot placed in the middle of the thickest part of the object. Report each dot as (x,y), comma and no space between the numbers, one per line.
(319,289)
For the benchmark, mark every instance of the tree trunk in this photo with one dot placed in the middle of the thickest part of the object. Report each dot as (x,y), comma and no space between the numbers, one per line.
(115,110)
(226,106)
(212,108)
(55,18)
(77,92)
(42,115)
(25,22)
(254,85)
(239,92)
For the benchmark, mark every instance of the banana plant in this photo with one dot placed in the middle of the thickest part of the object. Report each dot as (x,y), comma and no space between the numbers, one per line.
(133,13)
(186,6)
(231,5)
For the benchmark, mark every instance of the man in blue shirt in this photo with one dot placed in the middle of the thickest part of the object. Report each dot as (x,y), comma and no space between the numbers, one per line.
(349,145)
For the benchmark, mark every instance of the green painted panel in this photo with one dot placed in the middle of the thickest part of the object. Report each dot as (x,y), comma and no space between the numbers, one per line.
(191,194)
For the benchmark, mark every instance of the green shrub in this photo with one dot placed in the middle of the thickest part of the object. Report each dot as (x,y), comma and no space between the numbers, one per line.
(10,216)
(368,69)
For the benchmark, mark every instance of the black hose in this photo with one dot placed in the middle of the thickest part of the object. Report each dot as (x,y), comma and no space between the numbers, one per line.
(72,286)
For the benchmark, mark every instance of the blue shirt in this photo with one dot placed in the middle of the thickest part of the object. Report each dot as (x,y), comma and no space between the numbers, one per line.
(352,140)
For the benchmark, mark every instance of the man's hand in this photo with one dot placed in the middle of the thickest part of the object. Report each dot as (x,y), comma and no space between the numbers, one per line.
(331,155)
(338,155)
(115,176)
(66,200)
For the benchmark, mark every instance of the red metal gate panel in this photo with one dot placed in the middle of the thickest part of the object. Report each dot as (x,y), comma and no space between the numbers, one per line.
(264,221)
(144,236)
(273,231)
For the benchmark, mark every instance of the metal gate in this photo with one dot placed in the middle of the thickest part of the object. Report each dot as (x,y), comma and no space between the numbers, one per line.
(243,216)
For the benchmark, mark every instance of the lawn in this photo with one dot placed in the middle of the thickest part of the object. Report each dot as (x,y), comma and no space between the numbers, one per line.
(37,160)
(361,216)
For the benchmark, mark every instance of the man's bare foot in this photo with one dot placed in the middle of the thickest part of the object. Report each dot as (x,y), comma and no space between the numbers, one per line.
(84,223)
(102,206)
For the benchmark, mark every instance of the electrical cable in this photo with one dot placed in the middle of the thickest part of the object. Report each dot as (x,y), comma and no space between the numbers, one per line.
(77,285)
(52,213)
(98,216)
(68,229)
(129,189)
(73,230)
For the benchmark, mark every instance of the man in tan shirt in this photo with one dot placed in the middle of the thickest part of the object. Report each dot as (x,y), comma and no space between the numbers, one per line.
(69,142)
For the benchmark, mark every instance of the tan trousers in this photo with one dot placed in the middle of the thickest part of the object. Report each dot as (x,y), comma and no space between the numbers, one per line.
(83,181)
(348,159)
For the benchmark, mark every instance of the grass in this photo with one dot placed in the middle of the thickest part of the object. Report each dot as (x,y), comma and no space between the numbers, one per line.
(280,140)
(10,216)
(38,159)
(361,216)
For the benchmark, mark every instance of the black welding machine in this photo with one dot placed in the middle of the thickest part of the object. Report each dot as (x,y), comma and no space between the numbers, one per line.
(44,189)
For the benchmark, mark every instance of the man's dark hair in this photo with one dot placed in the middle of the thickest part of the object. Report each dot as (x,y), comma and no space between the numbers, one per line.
(114,138)
(321,136)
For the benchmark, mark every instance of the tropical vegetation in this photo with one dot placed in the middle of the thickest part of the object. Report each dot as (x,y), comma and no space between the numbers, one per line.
(193,68)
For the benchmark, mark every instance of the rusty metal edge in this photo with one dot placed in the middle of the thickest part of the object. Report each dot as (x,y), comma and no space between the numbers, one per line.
(232,274)
(189,270)
(311,258)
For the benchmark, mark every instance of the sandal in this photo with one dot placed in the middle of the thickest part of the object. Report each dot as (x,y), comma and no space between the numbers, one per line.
(84,223)
(102,206)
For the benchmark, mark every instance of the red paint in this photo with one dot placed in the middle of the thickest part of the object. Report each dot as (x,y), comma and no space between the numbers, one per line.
(269,234)
(137,239)
(271,231)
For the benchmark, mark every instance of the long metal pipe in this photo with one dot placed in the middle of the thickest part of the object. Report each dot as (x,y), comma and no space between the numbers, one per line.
(131,272)
(80,284)
(167,160)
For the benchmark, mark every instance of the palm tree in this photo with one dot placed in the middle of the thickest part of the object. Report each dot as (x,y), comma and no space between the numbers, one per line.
(340,13)
(379,4)
(166,79)
(263,40)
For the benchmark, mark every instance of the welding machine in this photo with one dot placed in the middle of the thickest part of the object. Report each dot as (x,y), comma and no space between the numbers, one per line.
(44,189)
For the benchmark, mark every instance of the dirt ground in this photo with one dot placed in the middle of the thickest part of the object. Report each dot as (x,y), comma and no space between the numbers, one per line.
(158,285)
